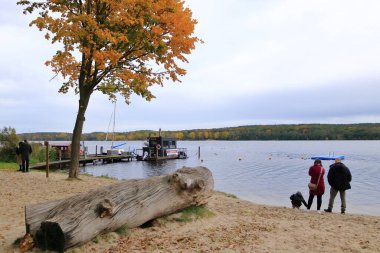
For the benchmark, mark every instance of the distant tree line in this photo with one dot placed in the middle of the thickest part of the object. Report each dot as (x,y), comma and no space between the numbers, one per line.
(363,131)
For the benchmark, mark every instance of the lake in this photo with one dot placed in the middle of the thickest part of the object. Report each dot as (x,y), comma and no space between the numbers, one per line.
(264,172)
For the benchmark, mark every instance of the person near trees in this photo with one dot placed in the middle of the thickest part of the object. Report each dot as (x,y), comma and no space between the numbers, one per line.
(316,172)
(25,150)
(18,156)
(339,178)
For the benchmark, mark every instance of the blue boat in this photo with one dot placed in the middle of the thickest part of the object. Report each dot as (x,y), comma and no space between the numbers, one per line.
(327,157)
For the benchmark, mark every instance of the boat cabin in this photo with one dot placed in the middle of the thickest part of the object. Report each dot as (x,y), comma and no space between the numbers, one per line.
(158,148)
(63,150)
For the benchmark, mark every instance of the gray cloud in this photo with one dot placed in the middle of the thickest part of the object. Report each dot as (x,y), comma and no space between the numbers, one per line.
(263,62)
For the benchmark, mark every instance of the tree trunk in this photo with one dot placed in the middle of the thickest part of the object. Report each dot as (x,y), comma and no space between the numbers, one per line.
(77,134)
(61,224)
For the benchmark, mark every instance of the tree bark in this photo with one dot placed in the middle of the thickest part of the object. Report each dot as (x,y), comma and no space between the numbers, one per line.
(77,134)
(61,224)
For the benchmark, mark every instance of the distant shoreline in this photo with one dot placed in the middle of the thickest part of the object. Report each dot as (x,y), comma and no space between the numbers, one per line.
(360,131)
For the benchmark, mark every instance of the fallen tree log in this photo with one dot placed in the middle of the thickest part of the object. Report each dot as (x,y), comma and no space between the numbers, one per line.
(61,224)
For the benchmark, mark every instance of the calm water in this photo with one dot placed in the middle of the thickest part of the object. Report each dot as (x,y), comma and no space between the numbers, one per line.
(265,172)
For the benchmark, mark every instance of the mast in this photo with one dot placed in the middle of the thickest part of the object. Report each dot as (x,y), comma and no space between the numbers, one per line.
(114,120)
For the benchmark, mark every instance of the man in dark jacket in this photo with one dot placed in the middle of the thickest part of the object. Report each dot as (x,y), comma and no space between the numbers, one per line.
(339,178)
(25,150)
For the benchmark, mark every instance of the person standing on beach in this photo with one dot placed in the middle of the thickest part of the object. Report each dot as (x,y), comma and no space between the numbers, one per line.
(316,172)
(339,178)
(25,150)
(18,156)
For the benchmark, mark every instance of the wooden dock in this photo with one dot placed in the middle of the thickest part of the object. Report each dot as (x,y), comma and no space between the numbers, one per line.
(84,160)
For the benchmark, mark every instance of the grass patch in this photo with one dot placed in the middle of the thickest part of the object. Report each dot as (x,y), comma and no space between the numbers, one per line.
(185,215)
(17,241)
(102,176)
(107,177)
(194,212)
(96,239)
(184,218)
(231,195)
(228,195)
(8,166)
(86,174)
(124,230)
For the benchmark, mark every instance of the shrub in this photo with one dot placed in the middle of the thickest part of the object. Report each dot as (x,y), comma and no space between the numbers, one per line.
(39,153)
(8,143)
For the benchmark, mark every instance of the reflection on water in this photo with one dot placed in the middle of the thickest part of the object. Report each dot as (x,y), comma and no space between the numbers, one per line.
(265,172)
(156,168)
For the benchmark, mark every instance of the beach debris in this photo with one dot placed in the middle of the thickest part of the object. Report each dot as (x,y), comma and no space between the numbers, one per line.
(26,243)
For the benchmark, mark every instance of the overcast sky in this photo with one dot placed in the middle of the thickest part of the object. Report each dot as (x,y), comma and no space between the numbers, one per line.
(263,62)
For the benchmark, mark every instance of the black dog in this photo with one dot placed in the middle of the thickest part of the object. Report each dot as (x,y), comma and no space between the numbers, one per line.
(297,200)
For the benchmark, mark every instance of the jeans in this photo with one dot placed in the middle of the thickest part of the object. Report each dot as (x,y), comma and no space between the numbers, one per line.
(333,194)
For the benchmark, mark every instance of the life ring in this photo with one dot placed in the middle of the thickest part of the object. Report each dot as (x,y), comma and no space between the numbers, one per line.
(158,146)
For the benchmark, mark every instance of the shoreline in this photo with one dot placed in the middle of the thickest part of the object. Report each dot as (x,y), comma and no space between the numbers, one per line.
(236,226)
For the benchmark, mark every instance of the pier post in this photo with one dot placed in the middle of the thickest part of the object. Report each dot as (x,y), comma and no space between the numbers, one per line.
(199,152)
(84,155)
(47,158)
(60,157)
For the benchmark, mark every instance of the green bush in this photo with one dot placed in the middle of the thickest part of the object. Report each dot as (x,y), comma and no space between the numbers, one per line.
(39,153)
(8,143)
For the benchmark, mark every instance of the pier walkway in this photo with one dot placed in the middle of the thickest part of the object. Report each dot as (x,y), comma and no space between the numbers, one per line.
(84,160)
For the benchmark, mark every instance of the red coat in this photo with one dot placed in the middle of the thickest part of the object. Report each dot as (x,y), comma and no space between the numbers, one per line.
(314,174)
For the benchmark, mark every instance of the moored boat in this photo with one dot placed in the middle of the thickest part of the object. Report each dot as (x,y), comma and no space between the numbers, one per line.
(327,157)
(161,148)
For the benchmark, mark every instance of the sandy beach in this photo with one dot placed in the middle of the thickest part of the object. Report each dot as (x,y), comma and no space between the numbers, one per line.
(235,226)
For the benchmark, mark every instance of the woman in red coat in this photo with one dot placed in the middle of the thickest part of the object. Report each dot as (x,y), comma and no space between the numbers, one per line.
(316,172)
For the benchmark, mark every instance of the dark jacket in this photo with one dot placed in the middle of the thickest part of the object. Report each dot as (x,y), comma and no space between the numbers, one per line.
(18,151)
(339,177)
(25,150)
(297,199)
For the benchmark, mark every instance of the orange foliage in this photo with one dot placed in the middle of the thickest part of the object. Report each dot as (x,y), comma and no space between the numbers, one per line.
(116,46)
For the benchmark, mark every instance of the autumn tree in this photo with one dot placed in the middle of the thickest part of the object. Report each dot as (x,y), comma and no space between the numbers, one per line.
(179,136)
(115,47)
